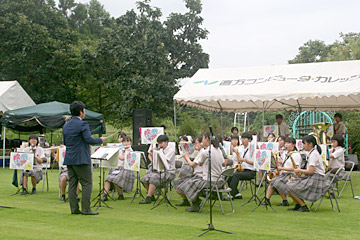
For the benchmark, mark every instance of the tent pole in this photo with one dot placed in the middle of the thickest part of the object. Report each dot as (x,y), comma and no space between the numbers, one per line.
(175,120)
(4,135)
(263,120)
(221,123)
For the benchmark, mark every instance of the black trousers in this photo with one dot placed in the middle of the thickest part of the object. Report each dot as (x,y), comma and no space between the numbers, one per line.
(245,175)
(82,174)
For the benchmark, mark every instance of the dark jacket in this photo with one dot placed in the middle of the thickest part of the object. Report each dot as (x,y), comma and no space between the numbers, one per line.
(77,139)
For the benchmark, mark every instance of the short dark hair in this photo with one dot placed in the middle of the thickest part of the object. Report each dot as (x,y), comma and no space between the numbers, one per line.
(215,142)
(34,136)
(162,138)
(338,115)
(282,137)
(278,116)
(197,138)
(185,138)
(247,135)
(122,134)
(76,107)
(291,140)
(339,139)
(236,137)
(271,134)
(233,128)
(126,139)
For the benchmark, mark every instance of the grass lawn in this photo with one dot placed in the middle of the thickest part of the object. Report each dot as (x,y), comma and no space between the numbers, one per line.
(44,216)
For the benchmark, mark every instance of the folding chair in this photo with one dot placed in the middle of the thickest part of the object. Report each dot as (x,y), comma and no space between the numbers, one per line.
(46,166)
(330,187)
(225,189)
(348,165)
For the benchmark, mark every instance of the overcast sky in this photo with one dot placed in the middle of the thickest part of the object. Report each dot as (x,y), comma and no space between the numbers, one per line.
(260,32)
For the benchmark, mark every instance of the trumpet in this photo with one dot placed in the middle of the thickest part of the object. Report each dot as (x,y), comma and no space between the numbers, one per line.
(275,173)
(238,167)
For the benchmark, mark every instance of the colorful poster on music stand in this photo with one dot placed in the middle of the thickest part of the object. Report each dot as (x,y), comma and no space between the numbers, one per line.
(299,144)
(272,146)
(150,135)
(227,147)
(132,161)
(270,129)
(62,152)
(187,147)
(22,161)
(114,145)
(252,148)
(262,160)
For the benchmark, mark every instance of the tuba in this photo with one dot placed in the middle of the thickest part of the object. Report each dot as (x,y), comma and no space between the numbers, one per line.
(238,167)
(320,135)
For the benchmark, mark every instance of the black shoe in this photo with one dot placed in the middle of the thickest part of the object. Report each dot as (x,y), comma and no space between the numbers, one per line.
(33,191)
(104,198)
(90,213)
(185,203)
(24,191)
(121,197)
(284,203)
(153,198)
(266,202)
(303,209)
(194,208)
(76,212)
(146,200)
(331,196)
(63,199)
(297,206)
(238,196)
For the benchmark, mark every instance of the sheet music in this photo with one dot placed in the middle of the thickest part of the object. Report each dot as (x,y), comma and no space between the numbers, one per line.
(104,153)
(159,161)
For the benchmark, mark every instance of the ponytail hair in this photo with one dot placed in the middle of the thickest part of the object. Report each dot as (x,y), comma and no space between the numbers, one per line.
(311,139)
(291,140)
(215,142)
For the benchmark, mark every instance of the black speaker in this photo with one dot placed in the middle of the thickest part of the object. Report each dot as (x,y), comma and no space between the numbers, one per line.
(141,118)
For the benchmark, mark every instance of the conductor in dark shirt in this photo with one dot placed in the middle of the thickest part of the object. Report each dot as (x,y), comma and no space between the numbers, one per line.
(77,139)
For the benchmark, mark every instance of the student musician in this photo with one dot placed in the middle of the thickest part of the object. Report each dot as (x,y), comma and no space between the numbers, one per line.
(312,186)
(248,172)
(271,137)
(235,145)
(193,186)
(123,179)
(286,170)
(282,127)
(339,126)
(121,137)
(337,159)
(281,141)
(63,181)
(36,173)
(151,180)
(197,170)
(234,131)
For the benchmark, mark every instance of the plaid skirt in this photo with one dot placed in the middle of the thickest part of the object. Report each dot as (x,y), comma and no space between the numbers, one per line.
(186,172)
(309,188)
(62,174)
(36,173)
(153,177)
(122,177)
(279,182)
(194,185)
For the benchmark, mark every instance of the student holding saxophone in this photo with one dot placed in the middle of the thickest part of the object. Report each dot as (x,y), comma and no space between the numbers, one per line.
(286,169)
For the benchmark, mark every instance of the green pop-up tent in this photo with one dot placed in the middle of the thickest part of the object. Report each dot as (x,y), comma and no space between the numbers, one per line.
(51,115)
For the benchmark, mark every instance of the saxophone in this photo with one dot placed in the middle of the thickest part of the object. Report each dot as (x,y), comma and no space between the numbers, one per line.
(294,165)
(275,173)
(238,167)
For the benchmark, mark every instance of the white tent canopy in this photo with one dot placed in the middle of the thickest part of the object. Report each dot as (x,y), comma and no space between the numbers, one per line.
(315,86)
(13,96)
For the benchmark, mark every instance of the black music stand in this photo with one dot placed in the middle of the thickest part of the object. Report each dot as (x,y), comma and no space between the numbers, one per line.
(211,225)
(99,201)
(263,199)
(162,193)
(138,188)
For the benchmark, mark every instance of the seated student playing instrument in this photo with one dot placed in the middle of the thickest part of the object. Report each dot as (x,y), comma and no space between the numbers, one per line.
(312,186)
(271,137)
(123,179)
(63,181)
(192,187)
(285,170)
(196,169)
(337,159)
(248,172)
(36,173)
(121,137)
(151,180)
